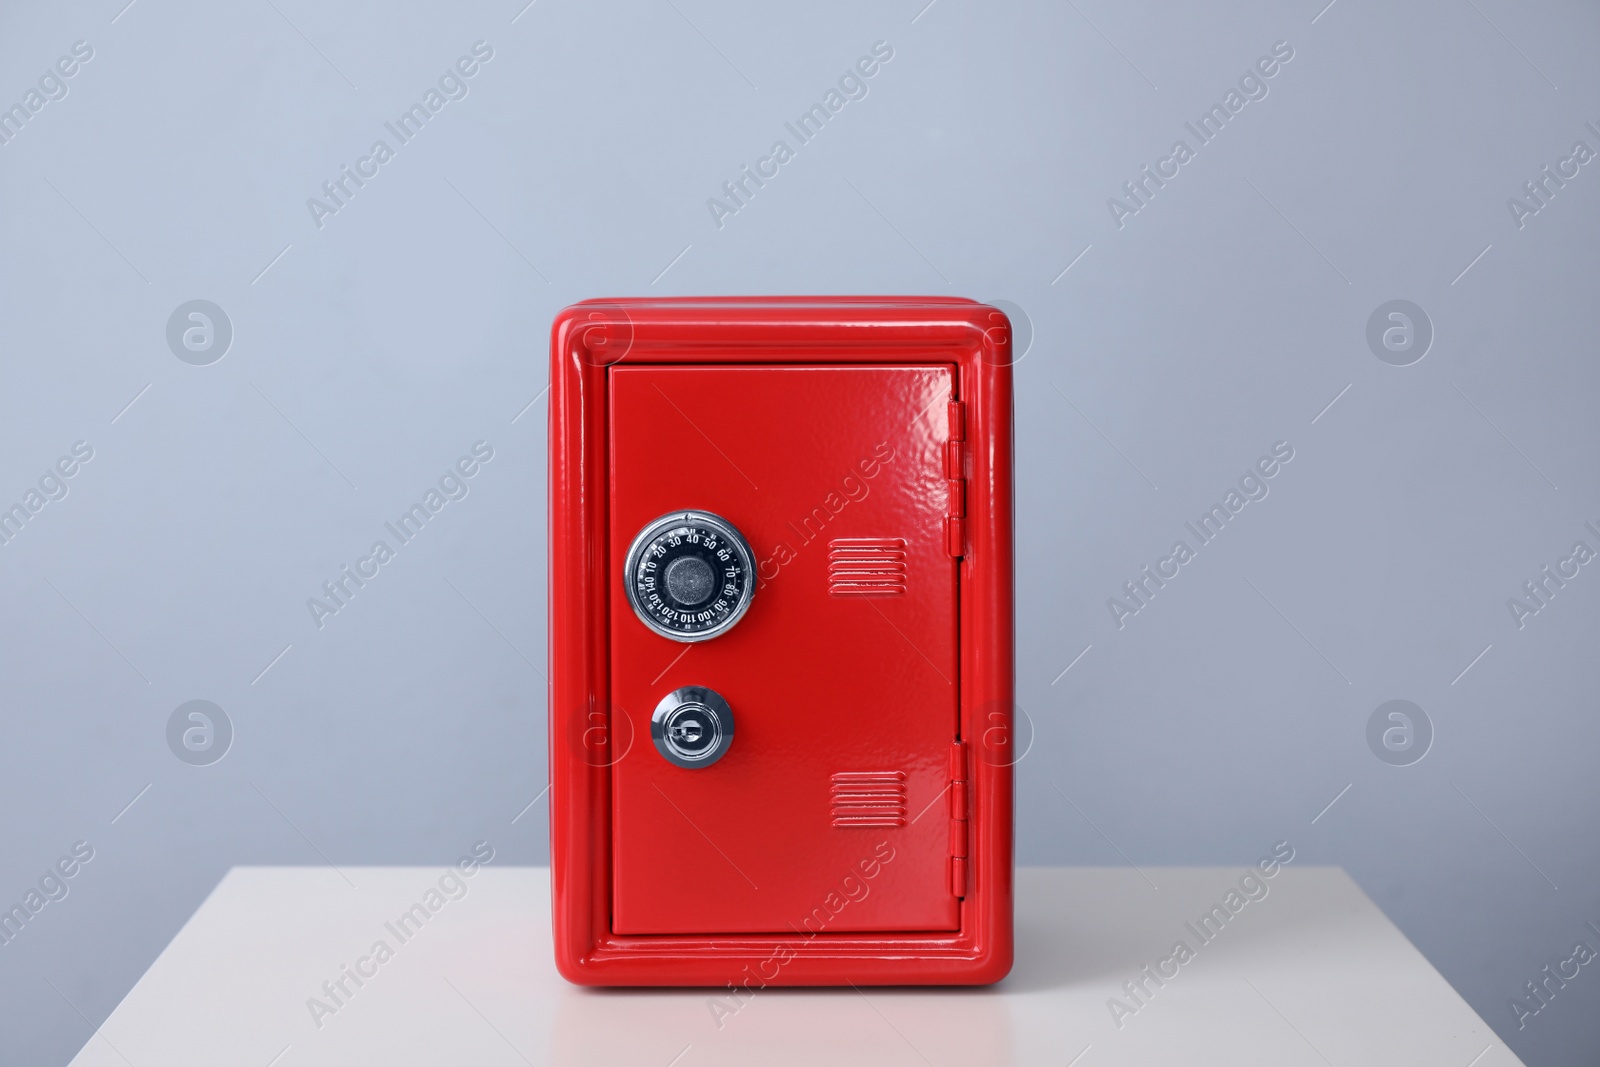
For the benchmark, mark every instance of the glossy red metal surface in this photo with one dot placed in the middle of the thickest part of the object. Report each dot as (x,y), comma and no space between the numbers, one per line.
(858,828)
(830,686)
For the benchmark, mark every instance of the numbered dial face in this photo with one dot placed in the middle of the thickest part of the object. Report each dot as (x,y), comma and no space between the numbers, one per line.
(689,575)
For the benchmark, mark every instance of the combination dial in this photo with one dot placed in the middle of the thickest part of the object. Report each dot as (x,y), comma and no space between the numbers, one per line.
(689,575)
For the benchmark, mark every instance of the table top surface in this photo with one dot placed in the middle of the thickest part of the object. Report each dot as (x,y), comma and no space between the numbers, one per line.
(1311,973)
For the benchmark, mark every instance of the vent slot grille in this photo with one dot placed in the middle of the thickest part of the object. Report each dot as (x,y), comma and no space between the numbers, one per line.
(868,798)
(867,566)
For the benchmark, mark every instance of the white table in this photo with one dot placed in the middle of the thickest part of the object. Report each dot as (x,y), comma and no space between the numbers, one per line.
(1312,974)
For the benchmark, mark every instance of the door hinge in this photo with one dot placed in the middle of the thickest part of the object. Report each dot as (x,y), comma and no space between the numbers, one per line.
(959,808)
(955,473)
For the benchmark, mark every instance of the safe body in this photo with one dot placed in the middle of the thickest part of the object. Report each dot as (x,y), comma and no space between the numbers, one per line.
(781,641)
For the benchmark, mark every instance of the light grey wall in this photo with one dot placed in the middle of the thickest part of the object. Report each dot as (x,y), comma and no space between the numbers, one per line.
(371,352)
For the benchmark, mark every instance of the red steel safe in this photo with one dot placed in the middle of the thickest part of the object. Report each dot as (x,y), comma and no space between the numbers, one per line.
(781,641)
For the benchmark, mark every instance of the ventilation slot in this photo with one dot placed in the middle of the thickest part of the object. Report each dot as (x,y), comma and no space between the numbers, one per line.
(867,566)
(869,798)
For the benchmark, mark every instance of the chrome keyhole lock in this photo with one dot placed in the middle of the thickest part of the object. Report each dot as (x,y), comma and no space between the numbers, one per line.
(692,727)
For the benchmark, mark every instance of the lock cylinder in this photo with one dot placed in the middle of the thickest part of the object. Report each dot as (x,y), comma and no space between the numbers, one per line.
(692,727)
(689,575)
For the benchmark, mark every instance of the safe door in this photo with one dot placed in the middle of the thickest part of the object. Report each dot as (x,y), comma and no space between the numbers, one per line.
(784,645)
